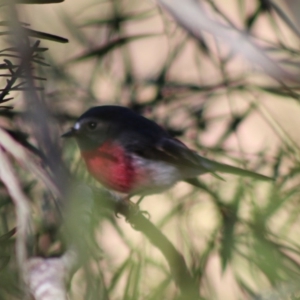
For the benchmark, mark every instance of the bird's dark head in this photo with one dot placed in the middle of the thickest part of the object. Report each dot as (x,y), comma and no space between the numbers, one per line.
(97,125)
(110,123)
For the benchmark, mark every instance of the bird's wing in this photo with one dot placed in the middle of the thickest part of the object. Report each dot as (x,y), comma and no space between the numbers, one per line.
(179,154)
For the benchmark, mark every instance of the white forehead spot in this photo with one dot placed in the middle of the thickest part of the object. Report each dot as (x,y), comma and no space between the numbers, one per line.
(77,126)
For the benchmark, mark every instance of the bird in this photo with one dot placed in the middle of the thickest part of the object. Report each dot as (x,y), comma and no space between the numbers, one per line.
(132,155)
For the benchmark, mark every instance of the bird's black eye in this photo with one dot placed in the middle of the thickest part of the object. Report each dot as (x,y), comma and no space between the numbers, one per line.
(92,125)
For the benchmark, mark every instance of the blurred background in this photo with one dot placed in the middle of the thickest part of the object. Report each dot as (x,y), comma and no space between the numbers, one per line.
(231,102)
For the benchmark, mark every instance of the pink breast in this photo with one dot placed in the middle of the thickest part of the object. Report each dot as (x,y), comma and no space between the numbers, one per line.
(111,166)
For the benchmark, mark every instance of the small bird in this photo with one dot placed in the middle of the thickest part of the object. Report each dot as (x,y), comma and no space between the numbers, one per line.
(132,155)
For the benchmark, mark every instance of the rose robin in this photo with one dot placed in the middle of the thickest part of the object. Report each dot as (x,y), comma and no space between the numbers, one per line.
(133,155)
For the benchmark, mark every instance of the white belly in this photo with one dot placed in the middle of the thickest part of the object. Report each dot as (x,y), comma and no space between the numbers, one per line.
(155,176)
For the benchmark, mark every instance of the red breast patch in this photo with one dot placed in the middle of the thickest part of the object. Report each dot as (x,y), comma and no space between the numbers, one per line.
(110,165)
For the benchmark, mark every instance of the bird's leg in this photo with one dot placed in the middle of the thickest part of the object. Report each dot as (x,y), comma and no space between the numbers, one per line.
(140,200)
(126,207)
(129,208)
(136,208)
(144,212)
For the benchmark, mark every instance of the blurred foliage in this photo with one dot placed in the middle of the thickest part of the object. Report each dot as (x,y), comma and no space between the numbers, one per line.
(239,238)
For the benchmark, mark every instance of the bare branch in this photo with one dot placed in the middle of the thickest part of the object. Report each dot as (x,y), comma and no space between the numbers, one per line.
(183,278)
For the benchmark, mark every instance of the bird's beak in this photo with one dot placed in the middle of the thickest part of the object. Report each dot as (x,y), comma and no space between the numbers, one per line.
(70,133)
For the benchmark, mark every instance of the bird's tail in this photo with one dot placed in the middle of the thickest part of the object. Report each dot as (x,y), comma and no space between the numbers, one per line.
(213,167)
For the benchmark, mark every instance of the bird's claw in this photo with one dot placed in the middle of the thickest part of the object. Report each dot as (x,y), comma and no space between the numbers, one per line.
(130,210)
(117,214)
(146,214)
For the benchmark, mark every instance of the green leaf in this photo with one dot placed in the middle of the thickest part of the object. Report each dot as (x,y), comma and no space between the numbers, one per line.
(101,51)
(38,1)
(7,236)
(120,19)
(37,34)
(45,36)
(118,273)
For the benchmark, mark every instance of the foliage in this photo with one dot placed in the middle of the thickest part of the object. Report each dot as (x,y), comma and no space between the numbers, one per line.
(233,239)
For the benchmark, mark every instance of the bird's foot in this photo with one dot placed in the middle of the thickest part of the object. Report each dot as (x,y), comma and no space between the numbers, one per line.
(129,209)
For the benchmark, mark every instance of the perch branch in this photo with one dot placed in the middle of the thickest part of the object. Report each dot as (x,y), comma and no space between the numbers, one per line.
(184,280)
